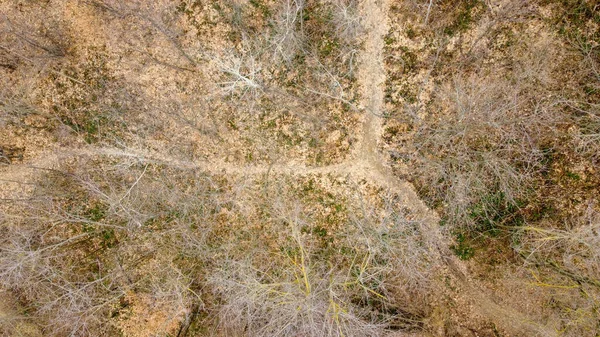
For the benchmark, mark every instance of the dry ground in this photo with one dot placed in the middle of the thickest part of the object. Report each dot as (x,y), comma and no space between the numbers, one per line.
(236,168)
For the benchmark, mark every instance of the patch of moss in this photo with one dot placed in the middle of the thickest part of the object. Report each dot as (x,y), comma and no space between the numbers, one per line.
(462,249)
(573,19)
(409,60)
(465,17)
(260,5)
(494,210)
(96,212)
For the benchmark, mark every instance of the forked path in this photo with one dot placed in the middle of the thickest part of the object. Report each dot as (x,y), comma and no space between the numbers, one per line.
(365,162)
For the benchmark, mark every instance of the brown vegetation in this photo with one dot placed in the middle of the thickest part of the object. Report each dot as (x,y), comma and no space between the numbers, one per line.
(222,168)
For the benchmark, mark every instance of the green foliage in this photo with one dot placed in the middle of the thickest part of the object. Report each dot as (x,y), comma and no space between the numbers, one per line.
(389,40)
(259,4)
(463,250)
(320,30)
(578,22)
(493,210)
(573,176)
(96,212)
(576,13)
(409,59)
(327,47)
(465,17)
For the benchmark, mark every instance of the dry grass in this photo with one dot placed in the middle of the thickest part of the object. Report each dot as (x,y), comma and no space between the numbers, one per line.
(499,134)
(495,113)
(104,242)
(367,277)
(567,261)
(483,150)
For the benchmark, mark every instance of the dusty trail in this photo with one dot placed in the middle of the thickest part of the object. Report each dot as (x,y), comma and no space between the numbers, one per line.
(371,80)
(365,162)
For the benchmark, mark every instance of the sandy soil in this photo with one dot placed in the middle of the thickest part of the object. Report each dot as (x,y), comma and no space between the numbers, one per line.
(364,163)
